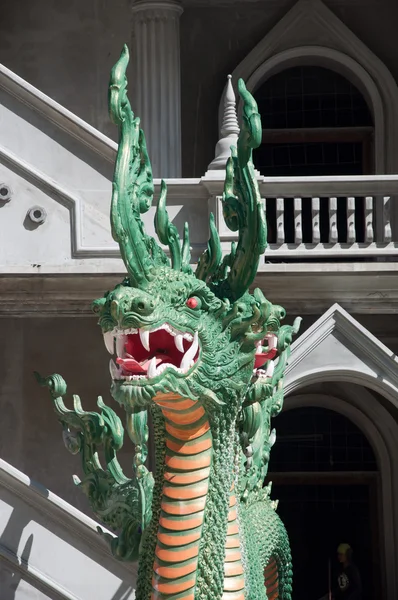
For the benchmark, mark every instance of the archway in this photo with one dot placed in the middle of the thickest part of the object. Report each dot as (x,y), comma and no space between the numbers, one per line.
(325,475)
(338,365)
(343,65)
(311,34)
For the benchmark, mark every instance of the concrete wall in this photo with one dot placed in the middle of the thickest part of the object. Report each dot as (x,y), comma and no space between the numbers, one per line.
(30,436)
(67,49)
(50,550)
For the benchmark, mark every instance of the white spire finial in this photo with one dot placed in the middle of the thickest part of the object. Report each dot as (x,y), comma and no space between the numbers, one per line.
(229,130)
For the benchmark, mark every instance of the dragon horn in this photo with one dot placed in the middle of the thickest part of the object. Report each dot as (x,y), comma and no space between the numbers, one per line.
(242,207)
(133,188)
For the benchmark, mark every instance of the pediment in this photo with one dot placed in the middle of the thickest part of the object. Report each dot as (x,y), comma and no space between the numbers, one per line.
(311,34)
(338,348)
(308,23)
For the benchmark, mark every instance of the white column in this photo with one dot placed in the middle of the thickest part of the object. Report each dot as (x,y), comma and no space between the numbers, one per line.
(156,88)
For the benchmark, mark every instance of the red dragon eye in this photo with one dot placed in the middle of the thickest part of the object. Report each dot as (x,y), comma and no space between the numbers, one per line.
(192,302)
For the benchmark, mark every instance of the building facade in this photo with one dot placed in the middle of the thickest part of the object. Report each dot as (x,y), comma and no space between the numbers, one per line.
(325,75)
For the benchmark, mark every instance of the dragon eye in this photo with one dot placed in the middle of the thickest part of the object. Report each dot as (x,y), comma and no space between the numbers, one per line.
(193,302)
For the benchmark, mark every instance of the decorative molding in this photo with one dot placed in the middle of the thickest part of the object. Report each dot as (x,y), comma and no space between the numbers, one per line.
(377,357)
(145,11)
(184,190)
(289,43)
(57,114)
(64,197)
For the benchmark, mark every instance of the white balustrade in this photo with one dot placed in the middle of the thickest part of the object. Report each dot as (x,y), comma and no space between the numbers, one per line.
(316,232)
(320,217)
(280,221)
(298,215)
(369,236)
(333,220)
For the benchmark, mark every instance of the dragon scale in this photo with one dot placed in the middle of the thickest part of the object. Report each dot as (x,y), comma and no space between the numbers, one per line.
(204,358)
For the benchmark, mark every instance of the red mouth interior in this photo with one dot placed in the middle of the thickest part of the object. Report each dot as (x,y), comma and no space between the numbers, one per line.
(262,357)
(162,346)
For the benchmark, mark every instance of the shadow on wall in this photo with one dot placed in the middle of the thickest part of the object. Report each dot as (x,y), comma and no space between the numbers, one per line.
(14,563)
(123,593)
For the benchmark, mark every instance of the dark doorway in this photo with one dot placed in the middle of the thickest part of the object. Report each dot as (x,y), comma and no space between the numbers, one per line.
(325,477)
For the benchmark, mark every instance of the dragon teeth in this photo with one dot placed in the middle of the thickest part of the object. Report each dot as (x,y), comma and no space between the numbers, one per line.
(270,369)
(190,353)
(272,341)
(151,372)
(120,343)
(178,340)
(114,371)
(108,341)
(272,438)
(144,337)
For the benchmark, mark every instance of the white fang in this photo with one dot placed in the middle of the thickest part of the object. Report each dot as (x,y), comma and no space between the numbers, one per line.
(151,372)
(120,343)
(190,353)
(270,369)
(108,341)
(178,340)
(144,337)
(114,371)
(272,438)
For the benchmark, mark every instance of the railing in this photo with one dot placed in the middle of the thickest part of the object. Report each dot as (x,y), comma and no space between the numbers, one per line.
(311,217)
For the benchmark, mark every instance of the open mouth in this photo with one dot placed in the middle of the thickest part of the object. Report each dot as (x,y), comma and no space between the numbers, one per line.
(145,354)
(266,350)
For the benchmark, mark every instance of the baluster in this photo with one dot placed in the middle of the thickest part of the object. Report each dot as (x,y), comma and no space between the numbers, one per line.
(280,221)
(298,230)
(369,236)
(333,236)
(351,220)
(316,232)
(386,219)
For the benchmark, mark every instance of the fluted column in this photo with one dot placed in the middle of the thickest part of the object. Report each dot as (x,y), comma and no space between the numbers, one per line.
(156,88)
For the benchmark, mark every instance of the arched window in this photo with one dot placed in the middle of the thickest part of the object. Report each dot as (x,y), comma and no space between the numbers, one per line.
(315,122)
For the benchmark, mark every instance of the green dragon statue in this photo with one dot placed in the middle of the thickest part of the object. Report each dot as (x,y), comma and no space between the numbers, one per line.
(205,358)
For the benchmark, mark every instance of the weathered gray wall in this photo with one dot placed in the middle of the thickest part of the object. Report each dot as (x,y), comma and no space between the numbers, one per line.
(30,436)
(67,49)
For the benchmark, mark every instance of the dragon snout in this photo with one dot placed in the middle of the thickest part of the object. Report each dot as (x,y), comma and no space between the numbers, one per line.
(143,305)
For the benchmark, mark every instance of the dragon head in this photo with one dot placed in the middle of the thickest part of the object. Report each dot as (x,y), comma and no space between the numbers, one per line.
(173,330)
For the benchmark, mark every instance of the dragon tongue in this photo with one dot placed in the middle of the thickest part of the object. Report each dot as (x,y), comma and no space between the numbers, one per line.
(131,365)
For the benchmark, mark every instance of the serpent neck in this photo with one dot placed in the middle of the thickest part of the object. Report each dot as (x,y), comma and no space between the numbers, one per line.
(189,449)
